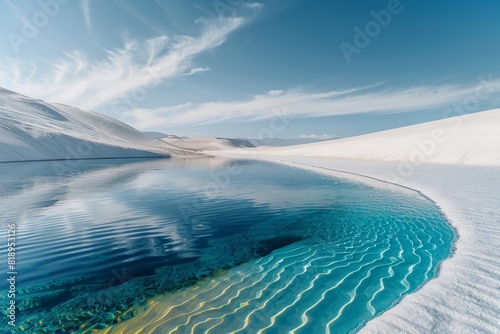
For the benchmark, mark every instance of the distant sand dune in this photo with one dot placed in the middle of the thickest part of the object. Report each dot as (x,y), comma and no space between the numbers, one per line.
(207,143)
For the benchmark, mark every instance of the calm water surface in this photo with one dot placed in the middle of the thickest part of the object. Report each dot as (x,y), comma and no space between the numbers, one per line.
(210,245)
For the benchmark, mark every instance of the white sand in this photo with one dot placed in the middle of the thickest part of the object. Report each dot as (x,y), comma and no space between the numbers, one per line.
(461,174)
(472,139)
(32,129)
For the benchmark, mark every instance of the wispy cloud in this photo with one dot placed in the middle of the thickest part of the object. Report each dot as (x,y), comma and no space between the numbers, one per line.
(86,13)
(253,5)
(76,80)
(319,137)
(302,104)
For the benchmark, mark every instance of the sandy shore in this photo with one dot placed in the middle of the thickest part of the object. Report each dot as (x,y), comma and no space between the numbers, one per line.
(465,298)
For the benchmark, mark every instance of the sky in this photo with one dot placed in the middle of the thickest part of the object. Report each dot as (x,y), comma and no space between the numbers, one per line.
(234,68)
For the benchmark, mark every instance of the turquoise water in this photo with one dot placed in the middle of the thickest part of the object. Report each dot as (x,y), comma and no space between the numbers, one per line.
(211,245)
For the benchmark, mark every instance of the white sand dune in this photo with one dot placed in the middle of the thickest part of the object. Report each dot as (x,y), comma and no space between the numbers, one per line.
(32,129)
(472,139)
(207,143)
(455,162)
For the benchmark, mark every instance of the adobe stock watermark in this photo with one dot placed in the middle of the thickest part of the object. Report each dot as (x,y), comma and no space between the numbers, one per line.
(86,149)
(426,148)
(11,274)
(277,124)
(133,98)
(221,179)
(31,26)
(82,150)
(120,277)
(363,36)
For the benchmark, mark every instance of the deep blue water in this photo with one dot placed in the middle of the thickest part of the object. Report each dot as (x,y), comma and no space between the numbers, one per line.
(99,239)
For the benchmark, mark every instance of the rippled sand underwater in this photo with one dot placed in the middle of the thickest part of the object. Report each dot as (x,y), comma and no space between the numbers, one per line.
(344,274)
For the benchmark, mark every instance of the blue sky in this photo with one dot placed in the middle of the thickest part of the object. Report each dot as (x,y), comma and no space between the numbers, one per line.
(238,68)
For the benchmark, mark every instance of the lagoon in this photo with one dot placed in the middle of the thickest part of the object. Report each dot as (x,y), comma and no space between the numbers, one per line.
(211,245)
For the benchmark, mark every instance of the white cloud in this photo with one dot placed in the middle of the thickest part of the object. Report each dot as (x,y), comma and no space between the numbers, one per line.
(74,79)
(275,92)
(319,137)
(195,70)
(302,104)
(253,5)
(86,13)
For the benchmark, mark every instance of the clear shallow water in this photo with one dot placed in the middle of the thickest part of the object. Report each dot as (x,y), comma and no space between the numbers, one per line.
(246,246)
